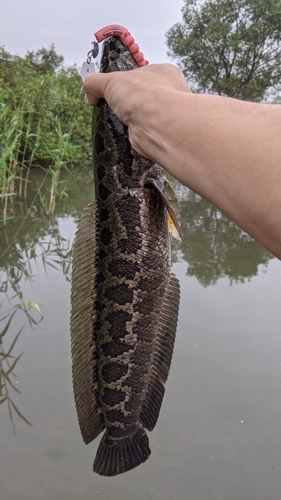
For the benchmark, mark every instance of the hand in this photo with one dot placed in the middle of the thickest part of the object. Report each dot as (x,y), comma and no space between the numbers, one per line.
(136,97)
(126,91)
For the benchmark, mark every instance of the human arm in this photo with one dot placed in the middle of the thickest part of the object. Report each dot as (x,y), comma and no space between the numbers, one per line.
(226,150)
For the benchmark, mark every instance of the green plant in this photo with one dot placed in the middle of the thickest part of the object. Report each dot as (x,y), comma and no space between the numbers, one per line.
(43,122)
(230,47)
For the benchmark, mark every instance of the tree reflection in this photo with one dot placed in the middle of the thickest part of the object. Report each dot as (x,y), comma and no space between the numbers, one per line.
(212,245)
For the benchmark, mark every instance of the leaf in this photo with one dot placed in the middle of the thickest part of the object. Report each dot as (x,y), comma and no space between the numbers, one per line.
(6,328)
(10,412)
(6,377)
(35,305)
(14,342)
(51,265)
(20,414)
(11,368)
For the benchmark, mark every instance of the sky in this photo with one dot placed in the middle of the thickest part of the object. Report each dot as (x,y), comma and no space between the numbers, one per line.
(70,25)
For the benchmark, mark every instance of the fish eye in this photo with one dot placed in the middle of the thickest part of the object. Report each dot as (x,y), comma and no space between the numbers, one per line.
(113,55)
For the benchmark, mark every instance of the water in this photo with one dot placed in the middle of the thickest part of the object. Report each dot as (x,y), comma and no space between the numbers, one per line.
(218,436)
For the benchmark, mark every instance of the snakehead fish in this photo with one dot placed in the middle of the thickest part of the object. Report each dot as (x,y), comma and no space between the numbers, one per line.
(124,298)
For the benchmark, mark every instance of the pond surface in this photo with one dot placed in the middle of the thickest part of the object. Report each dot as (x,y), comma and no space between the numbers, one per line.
(218,436)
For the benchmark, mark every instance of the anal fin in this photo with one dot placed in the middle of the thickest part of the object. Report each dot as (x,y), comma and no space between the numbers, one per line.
(166,333)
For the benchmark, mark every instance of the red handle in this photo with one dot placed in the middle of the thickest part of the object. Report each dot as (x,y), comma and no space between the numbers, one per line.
(125,35)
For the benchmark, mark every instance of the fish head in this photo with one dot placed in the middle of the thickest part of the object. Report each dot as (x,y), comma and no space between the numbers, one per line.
(116,56)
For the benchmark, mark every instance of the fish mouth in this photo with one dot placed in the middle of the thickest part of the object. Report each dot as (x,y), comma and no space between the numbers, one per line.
(116,56)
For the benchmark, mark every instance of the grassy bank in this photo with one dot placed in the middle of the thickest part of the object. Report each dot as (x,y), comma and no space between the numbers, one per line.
(43,121)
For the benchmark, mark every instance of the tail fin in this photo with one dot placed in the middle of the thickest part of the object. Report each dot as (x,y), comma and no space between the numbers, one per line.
(115,456)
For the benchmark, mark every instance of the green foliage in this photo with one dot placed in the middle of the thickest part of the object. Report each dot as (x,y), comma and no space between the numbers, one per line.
(43,119)
(229,47)
(47,100)
(44,60)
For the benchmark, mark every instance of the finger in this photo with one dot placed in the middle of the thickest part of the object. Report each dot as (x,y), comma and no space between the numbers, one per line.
(90,100)
(94,86)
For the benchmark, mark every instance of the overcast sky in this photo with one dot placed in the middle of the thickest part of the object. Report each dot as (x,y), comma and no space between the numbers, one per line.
(70,24)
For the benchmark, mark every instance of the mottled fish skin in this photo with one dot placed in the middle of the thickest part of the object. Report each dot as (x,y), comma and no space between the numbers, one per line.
(135,297)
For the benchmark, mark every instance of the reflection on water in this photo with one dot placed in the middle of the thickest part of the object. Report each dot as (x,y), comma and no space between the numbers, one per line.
(212,245)
(51,250)
(8,362)
(218,435)
(18,267)
(38,241)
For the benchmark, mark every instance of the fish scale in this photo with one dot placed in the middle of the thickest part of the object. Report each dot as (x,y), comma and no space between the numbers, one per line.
(124,297)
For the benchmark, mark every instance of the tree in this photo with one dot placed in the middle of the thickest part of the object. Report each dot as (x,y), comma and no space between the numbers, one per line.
(229,47)
(45,60)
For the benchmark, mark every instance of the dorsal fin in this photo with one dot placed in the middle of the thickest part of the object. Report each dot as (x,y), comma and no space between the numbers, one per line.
(83,345)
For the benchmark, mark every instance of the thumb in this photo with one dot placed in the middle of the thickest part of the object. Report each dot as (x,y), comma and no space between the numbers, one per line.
(95,86)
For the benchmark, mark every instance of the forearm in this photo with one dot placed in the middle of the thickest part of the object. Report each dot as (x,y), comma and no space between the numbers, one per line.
(226,150)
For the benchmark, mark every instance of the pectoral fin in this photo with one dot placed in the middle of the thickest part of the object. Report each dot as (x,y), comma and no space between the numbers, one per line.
(170,201)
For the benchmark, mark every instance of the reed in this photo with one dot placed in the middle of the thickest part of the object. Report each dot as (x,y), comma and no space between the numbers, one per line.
(9,146)
(38,128)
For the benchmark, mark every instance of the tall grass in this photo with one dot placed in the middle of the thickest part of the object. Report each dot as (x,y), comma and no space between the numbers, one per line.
(21,149)
(9,144)
(37,125)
